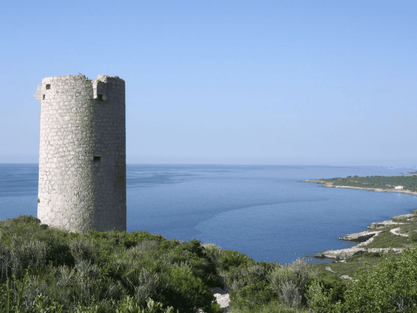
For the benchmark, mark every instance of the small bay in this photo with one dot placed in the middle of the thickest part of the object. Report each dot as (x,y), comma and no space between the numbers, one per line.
(266,212)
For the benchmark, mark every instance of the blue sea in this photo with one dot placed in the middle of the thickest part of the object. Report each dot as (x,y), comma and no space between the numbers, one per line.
(266,212)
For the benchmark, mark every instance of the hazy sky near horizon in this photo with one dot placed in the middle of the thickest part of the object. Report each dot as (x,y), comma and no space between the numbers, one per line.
(235,82)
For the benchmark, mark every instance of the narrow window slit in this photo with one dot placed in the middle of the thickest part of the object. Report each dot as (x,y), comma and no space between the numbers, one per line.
(48,86)
(43,98)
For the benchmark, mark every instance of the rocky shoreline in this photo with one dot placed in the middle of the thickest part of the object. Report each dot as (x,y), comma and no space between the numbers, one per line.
(330,185)
(366,237)
(362,238)
(341,254)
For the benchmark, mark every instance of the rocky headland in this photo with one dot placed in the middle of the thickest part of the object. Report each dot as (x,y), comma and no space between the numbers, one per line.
(330,184)
(365,238)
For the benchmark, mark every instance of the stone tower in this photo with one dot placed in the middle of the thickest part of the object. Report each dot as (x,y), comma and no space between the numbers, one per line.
(82,153)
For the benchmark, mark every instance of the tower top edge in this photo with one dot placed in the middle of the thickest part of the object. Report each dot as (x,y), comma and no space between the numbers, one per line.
(100,77)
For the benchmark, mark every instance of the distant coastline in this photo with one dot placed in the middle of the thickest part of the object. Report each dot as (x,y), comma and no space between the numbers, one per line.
(406,223)
(361,182)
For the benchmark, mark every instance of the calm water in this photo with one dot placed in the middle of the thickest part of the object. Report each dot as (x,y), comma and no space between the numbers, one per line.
(263,211)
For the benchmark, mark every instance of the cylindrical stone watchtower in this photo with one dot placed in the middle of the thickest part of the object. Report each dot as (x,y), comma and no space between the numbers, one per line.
(82,153)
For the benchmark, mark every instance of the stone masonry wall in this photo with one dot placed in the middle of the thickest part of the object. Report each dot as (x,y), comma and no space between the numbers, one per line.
(82,153)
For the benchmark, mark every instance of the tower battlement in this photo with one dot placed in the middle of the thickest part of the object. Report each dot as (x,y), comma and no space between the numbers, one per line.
(82,153)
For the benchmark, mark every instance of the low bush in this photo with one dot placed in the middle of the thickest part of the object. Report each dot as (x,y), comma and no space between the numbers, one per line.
(412,236)
(251,297)
(232,259)
(50,270)
(102,272)
(325,295)
(389,287)
(255,286)
(291,281)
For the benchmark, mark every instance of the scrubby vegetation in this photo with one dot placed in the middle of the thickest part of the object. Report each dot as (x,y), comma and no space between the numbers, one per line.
(384,182)
(45,269)
(391,286)
(102,272)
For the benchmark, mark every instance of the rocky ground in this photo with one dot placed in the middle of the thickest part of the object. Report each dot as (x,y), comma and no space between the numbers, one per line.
(365,238)
(222,297)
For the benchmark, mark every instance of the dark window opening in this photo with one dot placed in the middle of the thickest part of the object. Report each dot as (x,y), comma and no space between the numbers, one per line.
(100,97)
(43,98)
(48,86)
(97,159)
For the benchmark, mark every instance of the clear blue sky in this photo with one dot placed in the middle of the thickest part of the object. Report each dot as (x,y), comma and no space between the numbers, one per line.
(236,82)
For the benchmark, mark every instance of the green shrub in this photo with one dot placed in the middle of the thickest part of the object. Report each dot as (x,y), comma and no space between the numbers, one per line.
(290,295)
(326,295)
(251,297)
(46,305)
(255,286)
(320,298)
(242,276)
(213,252)
(81,249)
(100,271)
(187,292)
(231,259)
(200,262)
(412,236)
(129,305)
(389,287)
(291,281)
(14,294)
(134,238)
